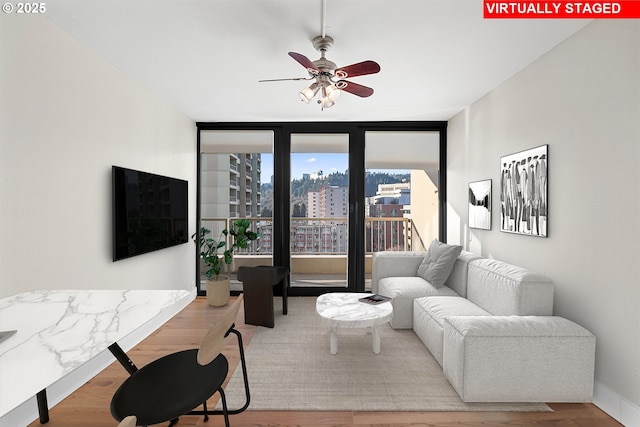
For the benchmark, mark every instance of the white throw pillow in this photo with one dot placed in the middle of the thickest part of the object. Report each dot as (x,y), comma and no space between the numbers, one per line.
(438,263)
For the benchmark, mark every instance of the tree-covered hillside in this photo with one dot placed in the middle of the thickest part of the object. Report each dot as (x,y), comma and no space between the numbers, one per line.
(300,188)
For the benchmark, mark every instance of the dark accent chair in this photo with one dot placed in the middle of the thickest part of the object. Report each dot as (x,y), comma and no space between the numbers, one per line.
(176,384)
(258,285)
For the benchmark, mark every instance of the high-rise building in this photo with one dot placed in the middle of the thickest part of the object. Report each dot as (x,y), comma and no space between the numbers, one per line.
(313,204)
(230,185)
(334,202)
(322,235)
(249,195)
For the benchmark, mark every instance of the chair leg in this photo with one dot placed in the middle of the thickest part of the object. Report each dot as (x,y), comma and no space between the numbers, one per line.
(243,362)
(225,411)
(223,398)
(206,412)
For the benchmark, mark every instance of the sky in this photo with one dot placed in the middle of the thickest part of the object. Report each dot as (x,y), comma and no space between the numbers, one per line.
(302,163)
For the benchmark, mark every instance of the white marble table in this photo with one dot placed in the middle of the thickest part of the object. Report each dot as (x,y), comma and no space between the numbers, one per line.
(343,310)
(63,337)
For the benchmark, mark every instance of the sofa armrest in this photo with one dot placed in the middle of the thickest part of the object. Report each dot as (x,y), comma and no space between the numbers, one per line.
(394,264)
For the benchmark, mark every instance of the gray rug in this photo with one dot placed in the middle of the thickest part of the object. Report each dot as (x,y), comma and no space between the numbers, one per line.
(290,368)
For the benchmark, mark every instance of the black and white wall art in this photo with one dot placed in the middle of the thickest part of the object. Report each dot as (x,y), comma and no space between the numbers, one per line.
(480,204)
(523,192)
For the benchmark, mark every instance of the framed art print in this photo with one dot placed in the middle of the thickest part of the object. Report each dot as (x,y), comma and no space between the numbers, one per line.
(480,204)
(523,192)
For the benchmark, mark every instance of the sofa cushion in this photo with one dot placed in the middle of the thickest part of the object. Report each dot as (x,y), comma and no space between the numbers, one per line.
(506,290)
(429,314)
(439,308)
(402,291)
(438,263)
(458,278)
(394,264)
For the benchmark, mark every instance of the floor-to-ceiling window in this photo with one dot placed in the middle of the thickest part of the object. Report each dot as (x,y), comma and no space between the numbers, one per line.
(235,173)
(402,191)
(319,209)
(330,194)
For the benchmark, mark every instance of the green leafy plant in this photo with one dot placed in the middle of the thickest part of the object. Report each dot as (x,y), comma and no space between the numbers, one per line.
(215,253)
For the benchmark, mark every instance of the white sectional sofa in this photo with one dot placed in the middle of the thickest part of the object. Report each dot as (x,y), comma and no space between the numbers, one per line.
(394,274)
(491,327)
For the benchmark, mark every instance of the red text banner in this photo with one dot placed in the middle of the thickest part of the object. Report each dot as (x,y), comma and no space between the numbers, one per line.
(626,9)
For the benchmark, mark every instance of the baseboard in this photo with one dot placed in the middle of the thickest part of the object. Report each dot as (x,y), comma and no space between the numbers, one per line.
(616,406)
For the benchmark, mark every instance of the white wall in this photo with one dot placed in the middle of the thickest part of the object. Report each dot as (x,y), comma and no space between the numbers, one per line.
(583,100)
(67,116)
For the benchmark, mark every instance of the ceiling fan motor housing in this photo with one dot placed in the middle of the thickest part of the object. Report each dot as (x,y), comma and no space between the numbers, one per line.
(322,44)
(325,66)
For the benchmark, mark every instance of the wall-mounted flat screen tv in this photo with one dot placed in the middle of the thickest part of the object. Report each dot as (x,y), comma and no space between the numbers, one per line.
(150,212)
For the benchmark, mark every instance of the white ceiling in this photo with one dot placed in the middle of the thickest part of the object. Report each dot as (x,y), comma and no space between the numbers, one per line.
(205,57)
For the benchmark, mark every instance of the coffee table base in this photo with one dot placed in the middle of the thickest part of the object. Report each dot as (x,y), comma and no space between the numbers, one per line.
(333,339)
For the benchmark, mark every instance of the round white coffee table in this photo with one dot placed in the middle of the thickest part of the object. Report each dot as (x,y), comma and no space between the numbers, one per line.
(343,310)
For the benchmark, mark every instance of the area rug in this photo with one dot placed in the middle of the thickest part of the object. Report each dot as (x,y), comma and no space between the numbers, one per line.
(290,369)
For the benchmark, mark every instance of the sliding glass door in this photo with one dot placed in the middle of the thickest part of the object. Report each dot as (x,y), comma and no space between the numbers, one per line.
(319,209)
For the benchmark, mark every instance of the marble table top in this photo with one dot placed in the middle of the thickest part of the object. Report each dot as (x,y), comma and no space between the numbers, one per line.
(342,309)
(60,330)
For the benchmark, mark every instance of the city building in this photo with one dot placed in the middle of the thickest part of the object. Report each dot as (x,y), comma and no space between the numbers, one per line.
(334,202)
(316,175)
(398,191)
(313,204)
(230,185)
(390,201)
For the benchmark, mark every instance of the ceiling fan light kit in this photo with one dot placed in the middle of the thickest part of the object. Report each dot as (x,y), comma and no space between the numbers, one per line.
(307,94)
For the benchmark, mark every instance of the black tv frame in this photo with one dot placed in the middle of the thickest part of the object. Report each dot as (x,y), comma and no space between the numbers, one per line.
(162,210)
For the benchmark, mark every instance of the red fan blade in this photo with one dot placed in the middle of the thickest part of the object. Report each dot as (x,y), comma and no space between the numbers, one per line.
(354,88)
(304,61)
(359,69)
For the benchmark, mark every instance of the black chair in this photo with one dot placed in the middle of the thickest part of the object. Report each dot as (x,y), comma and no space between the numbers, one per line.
(258,284)
(175,384)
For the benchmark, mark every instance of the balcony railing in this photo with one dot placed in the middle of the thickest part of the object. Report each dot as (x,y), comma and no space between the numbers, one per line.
(323,236)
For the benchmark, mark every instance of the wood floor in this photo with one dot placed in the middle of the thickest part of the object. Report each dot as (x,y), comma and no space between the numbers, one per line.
(89,405)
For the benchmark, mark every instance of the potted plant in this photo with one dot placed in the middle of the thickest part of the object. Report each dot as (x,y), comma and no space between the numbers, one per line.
(215,254)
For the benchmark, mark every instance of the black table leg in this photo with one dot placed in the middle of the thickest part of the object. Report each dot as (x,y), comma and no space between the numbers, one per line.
(116,350)
(122,357)
(43,407)
(285,288)
(258,303)
(258,285)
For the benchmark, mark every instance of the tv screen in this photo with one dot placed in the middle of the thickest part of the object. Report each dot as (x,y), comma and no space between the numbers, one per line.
(150,212)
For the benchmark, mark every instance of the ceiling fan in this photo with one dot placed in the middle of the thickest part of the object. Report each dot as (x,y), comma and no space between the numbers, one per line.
(329,78)
(325,73)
